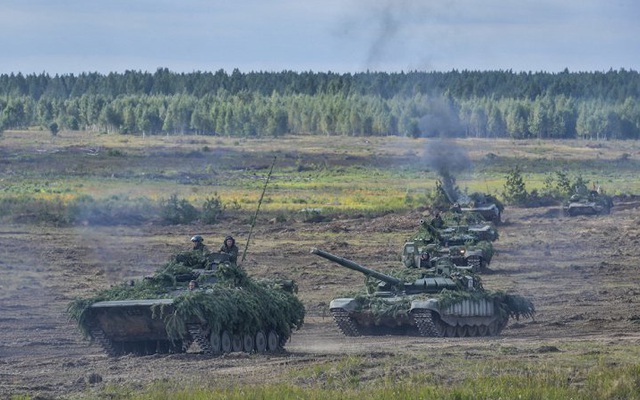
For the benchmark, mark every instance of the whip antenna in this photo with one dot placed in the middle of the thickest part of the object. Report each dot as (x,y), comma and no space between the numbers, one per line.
(255,217)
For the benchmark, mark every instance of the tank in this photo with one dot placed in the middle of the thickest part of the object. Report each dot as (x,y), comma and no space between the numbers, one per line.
(468,246)
(484,205)
(213,310)
(589,203)
(489,207)
(441,302)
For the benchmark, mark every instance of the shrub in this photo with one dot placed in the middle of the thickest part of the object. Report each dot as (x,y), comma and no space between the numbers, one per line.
(175,211)
(212,209)
(515,191)
(563,185)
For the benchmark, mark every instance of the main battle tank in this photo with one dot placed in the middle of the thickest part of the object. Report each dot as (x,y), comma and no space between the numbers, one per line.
(468,246)
(441,302)
(486,205)
(588,203)
(228,311)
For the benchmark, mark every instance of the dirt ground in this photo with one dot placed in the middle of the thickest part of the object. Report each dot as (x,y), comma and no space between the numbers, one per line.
(581,272)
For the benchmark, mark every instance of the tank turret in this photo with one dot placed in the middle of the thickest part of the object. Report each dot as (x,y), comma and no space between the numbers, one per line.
(437,280)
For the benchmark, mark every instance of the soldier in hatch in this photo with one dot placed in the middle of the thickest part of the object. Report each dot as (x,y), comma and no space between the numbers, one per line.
(198,244)
(437,221)
(229,247)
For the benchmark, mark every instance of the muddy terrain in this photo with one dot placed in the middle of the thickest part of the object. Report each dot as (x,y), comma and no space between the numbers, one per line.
(581,272)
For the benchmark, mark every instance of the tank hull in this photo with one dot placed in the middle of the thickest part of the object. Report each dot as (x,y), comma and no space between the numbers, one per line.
(489,212)
(590,208)
(427,318)
(139,327)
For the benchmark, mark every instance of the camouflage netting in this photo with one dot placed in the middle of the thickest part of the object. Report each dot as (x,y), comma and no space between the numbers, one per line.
(235,301)
(453,232)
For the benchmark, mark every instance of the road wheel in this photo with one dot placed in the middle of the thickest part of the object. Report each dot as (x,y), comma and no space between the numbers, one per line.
(261,342)
(462,331)
(248,344)
(236,342)
(225,342)
(273,341)
(449,331)
(472,330)
(215,343)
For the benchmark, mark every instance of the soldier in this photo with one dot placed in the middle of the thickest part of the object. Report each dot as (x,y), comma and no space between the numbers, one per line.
(437,221)
(229,247)
(425,260)
(198,244)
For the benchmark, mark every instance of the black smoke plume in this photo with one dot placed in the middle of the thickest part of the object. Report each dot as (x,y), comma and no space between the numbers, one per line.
(447,159)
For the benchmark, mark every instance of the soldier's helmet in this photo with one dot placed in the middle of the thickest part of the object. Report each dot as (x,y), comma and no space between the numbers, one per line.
(197,238)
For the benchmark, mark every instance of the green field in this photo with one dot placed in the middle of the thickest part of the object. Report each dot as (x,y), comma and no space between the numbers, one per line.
(334,174)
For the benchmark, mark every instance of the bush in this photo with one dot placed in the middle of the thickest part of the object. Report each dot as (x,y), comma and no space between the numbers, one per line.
(212,209)
(174,211)
(515,192)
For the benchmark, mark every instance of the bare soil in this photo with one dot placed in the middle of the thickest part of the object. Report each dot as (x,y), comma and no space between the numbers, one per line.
(581,272)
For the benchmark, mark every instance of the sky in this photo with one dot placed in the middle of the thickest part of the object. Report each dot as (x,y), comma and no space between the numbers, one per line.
(341,36)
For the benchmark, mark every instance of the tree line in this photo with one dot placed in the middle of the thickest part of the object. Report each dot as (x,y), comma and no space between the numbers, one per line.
(495,104)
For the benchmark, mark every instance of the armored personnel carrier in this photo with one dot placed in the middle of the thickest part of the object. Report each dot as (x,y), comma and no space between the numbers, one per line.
(468,246)
(219,308)
(443,301)
(588,203)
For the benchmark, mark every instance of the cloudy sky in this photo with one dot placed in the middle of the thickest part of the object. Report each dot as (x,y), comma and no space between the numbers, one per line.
(75,36)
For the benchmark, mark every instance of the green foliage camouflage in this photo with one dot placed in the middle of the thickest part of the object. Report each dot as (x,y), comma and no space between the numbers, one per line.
(398,306)
(455,233)
(508,304)
(234,301)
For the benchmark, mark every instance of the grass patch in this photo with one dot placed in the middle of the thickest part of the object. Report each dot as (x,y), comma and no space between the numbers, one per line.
(486,372)
(350,175)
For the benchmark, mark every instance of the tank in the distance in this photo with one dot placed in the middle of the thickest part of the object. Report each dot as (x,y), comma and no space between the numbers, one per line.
(587,203)
(444,301)
(219,308)
(465,242)
(485,205)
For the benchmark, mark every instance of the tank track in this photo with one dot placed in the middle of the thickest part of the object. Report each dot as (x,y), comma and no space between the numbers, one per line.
(140,348)
(425,323)
(345,323)
(199,336)
(429,326)
(107,345)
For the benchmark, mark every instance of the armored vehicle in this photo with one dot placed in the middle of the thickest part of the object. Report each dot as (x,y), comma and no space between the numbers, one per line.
(466,245)
(219,308)
(485,205)
(590,203)
(443,301)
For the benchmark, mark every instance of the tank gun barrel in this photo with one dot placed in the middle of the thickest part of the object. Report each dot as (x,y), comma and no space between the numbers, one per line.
(432,230)
(357,267)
